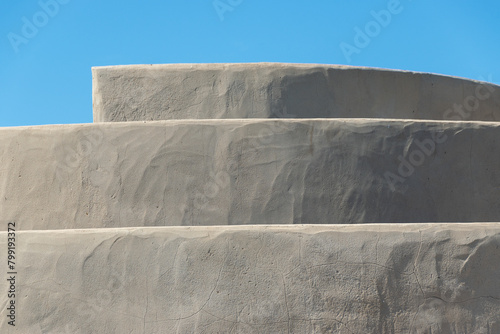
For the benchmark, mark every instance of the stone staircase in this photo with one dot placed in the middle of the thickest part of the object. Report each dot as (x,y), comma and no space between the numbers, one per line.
(257,198)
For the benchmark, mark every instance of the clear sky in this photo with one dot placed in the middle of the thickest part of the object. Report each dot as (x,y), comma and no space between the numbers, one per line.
(47,47)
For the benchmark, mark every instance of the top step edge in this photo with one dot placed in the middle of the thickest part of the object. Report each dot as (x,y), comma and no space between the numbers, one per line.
(277,65)
(285,90)
(242,121)
(294,228)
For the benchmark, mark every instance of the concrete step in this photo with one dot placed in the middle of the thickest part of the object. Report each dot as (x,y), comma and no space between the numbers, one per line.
(228,172)
(273,90)
(391,278)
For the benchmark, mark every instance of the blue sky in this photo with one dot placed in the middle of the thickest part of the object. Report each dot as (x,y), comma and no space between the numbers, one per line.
(47,47)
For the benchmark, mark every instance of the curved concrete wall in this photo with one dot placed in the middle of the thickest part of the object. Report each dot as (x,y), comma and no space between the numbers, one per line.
(418,278)
(269,90)
(205,172)
(79,182)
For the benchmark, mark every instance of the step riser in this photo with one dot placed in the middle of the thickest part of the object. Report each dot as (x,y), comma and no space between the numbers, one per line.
(209,91)
(356,279)
(233,172)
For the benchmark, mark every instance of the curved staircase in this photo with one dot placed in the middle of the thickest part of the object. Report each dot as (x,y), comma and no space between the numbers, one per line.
(258,198)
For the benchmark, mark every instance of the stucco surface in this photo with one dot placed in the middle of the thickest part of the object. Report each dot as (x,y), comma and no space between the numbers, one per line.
(417,278)
(275,90)
(232,172)
(257,198)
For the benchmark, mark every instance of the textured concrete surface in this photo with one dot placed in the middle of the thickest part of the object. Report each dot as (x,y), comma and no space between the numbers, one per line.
(273,90)
(232,172)
(417,278)
(98,208)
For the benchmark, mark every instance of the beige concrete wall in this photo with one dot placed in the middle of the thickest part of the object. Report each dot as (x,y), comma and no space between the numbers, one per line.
(270,90)
(229,172)
(441,278)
